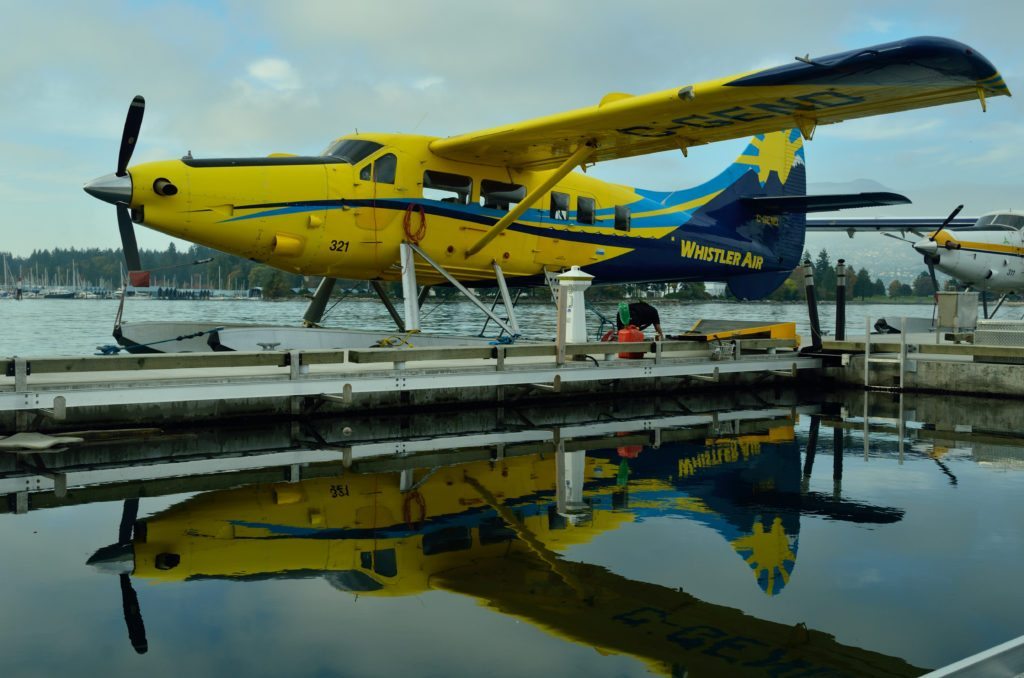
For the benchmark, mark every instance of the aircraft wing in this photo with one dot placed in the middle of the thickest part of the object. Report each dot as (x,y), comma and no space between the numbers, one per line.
(897,76)
(888,224)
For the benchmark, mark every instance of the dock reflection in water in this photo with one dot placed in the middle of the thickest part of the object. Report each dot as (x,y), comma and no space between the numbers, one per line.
(546,533)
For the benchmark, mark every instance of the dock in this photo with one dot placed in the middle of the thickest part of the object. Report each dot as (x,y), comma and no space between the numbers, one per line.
(59,394)
(931,362)
(115,465)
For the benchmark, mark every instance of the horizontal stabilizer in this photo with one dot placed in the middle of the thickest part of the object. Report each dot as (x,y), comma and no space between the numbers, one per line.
(903,224)
(780,204)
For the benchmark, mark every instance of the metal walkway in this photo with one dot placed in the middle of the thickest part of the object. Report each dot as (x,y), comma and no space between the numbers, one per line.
(181,383)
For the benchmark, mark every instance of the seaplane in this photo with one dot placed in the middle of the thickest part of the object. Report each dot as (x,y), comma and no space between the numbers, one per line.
(983,253)
(497,533)
(513,205)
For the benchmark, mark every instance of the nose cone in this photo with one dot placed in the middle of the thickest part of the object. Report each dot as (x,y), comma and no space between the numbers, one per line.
(114,559)
(111,188)
(926,246)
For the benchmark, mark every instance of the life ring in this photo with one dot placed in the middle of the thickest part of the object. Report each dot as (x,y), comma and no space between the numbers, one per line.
(407,509)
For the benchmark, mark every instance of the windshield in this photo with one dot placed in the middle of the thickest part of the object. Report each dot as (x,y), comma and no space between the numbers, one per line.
(352,150)
(1008,221)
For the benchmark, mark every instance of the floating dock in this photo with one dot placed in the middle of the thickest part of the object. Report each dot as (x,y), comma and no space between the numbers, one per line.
(54,394)
(122,464)
(926,362)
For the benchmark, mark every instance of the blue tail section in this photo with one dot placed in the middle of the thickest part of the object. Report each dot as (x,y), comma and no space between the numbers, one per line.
(771,166)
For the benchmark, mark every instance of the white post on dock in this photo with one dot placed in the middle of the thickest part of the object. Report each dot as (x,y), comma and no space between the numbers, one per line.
(570,468)
(410,294)
(576,282)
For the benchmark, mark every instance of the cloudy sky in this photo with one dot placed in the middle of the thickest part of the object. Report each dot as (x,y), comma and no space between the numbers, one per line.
(251,78)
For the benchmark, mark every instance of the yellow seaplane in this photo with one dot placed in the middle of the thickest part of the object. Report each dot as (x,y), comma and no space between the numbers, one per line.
(506,202)
(496,531)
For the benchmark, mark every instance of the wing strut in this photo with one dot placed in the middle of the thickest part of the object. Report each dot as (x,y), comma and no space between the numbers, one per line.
(571,163)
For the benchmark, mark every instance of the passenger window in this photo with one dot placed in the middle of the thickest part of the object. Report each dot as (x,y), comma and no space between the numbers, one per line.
(585,208)
(559,206)
(382,561)
(384,169)
(385,563)
(447,539)
(364,174)
(622,218)
(497,195)
(447,187)
(494,531)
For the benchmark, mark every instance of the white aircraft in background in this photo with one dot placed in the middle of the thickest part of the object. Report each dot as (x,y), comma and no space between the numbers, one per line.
(985,253)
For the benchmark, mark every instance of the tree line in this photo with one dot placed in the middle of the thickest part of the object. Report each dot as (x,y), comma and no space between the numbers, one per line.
(177,269)
(171,268)
(859,283)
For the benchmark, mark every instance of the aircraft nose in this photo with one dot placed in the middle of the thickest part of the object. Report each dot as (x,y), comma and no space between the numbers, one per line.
(114,559)
(111,188)
(926,246)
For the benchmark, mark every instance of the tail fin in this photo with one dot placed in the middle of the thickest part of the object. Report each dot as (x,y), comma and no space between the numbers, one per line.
(773,208)
(771,168)
(778,159)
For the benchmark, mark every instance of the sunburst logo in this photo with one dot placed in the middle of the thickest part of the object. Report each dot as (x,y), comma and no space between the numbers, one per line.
(777,152)
(769,555)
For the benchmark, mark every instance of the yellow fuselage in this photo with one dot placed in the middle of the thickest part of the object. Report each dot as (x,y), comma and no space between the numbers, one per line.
(320,216)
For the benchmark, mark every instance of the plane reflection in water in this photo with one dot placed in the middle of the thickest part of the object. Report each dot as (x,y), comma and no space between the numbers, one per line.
(497,530)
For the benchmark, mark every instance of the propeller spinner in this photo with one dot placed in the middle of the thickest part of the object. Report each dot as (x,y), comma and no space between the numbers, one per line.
(929,249)
(116,188)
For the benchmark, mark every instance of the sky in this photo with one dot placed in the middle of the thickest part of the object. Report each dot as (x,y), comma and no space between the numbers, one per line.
(230,78)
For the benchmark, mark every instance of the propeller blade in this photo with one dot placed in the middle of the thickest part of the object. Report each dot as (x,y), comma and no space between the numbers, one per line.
(129,513)
(951,217)
(133,616)
(128,244)
(896,237)
(132,125)
(931,273)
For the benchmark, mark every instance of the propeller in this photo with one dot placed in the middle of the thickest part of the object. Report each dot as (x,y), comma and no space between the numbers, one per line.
(951,217)
(120,558)
(896,237)
(931,259)
(116,188)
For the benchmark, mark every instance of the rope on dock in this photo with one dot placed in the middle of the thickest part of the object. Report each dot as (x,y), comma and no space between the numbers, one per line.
(113,349)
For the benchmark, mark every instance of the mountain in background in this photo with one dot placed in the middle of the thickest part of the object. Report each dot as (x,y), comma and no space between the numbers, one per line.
(886,258)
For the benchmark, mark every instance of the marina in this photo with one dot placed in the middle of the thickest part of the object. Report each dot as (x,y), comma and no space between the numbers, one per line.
(339,341)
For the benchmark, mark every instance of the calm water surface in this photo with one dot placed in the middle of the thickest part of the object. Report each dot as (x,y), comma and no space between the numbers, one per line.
(76,327)
(773,546)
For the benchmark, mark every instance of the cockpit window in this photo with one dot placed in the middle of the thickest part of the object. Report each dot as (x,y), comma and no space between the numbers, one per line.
(1009,221)
(352,150)
(384,169)
(353,581)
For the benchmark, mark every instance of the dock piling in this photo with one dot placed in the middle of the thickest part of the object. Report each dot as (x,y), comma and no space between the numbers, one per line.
(841,300)
(812,305)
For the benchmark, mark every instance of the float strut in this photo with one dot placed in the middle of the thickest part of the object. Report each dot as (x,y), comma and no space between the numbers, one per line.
(378,287)
(315,310)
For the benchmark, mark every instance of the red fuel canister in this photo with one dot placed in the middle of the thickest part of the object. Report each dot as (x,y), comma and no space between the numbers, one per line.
(627,334)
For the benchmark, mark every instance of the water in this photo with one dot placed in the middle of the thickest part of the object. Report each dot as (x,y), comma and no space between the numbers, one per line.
(707,553)
(703,554)
(77,327)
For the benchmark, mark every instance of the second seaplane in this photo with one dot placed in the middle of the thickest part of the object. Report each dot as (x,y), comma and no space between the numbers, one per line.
(506,204)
